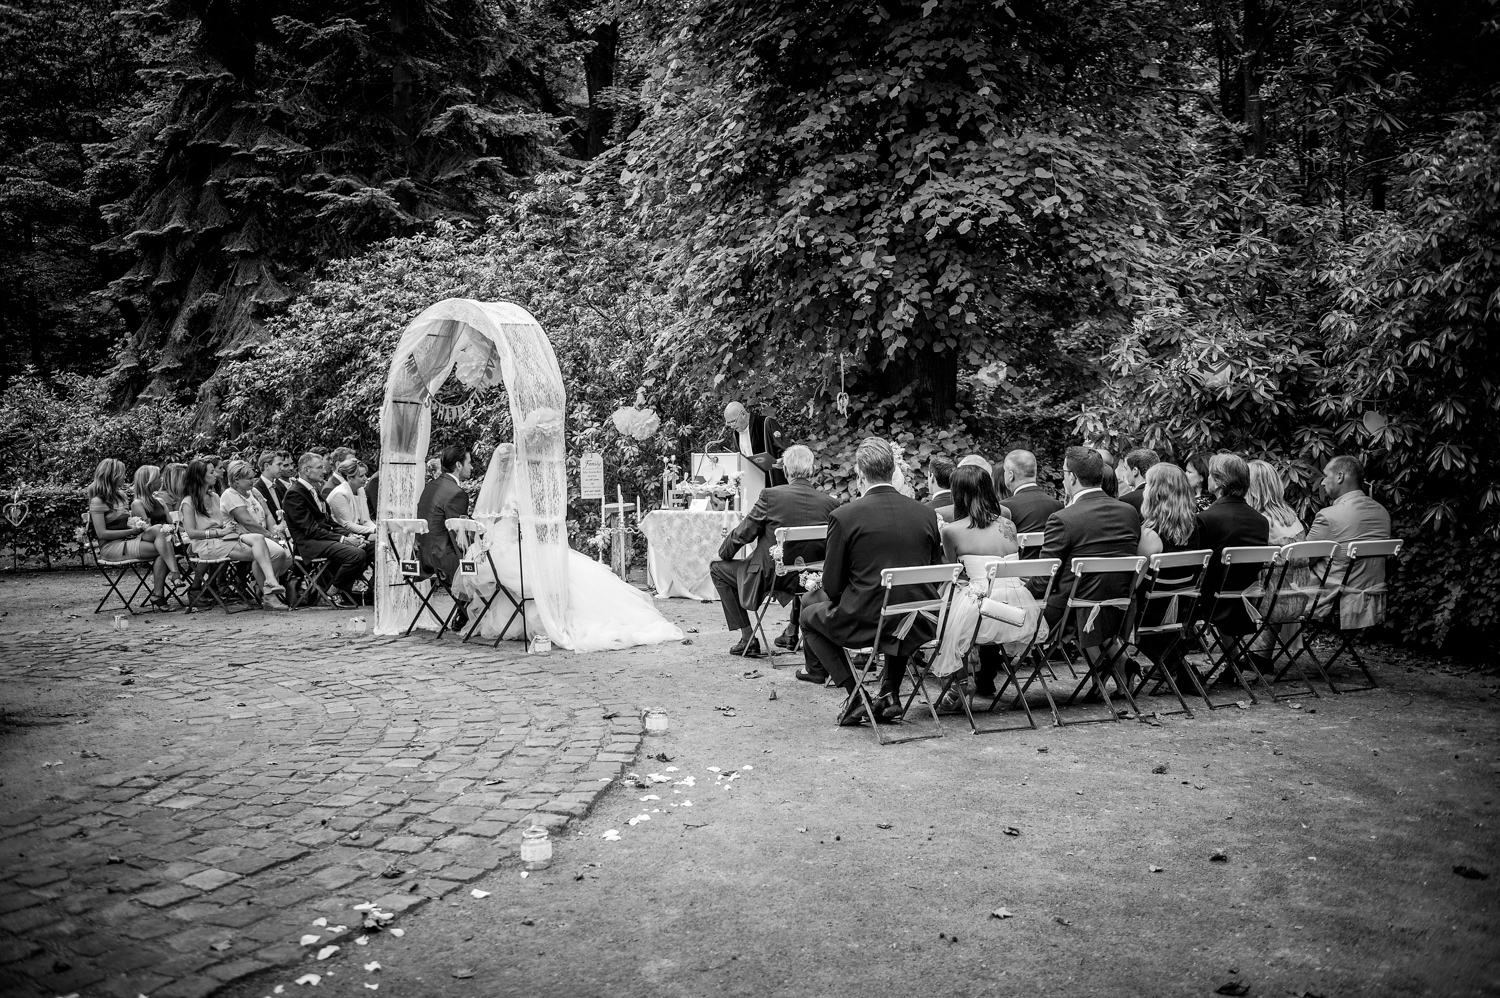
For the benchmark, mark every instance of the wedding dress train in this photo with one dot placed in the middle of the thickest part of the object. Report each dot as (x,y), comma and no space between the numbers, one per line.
(604,612)
(959,636)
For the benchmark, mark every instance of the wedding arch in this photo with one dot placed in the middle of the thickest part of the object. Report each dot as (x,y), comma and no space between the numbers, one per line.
(482,344)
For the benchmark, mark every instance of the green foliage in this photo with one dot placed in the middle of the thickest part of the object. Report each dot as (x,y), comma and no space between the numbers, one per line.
(64,73)
(51,535)
(56,432)
(916,186)
(283,134)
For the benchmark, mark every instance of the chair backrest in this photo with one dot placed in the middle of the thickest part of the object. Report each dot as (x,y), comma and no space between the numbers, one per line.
(1180,559)
(1108,566)
(814,533)
(807,535)
(1033,569)
(921,575)
(1308,550)
(1249,555)
(1031,539)
(1374,549)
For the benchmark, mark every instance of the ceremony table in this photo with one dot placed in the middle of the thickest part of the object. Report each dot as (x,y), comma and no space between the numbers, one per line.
(679,545)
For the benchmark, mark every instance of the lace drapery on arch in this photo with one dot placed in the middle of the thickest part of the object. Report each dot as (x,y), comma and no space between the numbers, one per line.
(482,344)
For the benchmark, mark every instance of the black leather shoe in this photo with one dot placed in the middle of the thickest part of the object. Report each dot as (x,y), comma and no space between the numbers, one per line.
(853,712)
(749,649)
(819,677)
(342,600)
(788,640)
(888,709)
(460,618)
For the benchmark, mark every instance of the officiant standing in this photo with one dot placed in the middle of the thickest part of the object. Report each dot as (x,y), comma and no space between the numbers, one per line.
(756,437)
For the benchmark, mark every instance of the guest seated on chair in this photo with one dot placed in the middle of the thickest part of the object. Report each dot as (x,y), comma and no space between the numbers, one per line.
(1131,474)
(881,529)
(743,583)
(1029,506)
(123,537)
(242,504)
(347,502)
(318,536)
(444,498)
(147,507)
(214,535)
(1230,522)
(1352,516)
(276,467)
(1092,525)
(170,492)
(939,485)
(1170,525)
(339,459)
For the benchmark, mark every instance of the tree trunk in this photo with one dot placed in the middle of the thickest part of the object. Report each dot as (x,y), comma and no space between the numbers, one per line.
(932,377)
(1255,31)
(598,75)
(401,78)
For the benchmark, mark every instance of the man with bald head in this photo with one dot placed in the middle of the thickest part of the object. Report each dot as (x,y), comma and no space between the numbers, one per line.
(756,437)
(1029,506)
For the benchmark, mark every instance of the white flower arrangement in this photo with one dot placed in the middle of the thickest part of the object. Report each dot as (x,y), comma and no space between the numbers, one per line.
(725,488)
(811,581)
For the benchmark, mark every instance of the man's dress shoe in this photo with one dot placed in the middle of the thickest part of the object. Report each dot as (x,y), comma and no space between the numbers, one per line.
(749,649)
(812,677)
(854,711)
(787,640)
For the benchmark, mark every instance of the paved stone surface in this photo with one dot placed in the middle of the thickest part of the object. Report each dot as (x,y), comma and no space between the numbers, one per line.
(286,771)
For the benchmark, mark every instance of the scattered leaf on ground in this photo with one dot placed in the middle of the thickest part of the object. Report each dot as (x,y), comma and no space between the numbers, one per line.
(398,933)
(1160,767)
(1001,913)
(221,945)
(882,824)
(308,940)
(1219,856)
(463,972)
(372,966)
(477,893)
(1062,921)
(313,979)
(1232,988)
(1011,830)
(611,835)
(326,952)
(1154,869)
(1469,873)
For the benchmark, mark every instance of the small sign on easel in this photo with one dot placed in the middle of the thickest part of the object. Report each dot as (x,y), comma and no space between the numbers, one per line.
(591,476)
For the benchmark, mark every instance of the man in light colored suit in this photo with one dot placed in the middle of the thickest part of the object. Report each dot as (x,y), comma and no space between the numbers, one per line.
(1351,515)
(347,503)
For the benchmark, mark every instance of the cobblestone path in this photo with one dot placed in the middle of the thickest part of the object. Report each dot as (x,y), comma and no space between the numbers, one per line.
(276,785)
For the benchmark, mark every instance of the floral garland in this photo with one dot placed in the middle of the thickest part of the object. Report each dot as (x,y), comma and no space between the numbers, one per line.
(725,488)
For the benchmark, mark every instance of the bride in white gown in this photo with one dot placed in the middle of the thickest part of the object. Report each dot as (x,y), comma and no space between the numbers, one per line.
(604,611)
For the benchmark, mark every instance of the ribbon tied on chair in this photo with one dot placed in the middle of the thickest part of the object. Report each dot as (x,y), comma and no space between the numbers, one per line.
(1122,603)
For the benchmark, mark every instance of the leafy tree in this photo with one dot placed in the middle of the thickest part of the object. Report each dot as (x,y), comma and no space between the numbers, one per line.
(916,187)
(64,73)
(282,134)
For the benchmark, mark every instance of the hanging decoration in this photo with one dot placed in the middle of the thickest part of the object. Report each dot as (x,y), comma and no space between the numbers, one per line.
(637,421)
(841,401)
(458,412)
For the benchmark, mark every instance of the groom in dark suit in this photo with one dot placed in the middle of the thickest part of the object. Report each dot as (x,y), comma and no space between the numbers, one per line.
(1091,525)
(744,583)
(882,529)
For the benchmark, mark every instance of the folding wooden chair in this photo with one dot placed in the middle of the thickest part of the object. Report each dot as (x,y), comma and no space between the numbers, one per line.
(401,537)
(901,617)
(1375,594)
(1078,624)
(1294,590)
(1031,543)
(803,536)
(1034,569)
(309,576)
(1178,597)
(218,579)
(117,570)
(1229,654)
(481,539)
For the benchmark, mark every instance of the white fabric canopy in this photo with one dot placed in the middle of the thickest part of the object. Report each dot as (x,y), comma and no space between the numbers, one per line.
(483,344)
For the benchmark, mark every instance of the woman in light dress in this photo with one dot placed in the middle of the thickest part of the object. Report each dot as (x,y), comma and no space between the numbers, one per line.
(214,535)
(124,537)
(243,509)
(1267,496)
(604,611)
(979,535)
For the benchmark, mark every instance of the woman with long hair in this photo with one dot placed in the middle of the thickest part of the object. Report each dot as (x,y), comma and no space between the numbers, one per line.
(243,509)
(213,537)
(1267,496)
(979,535)
(169,493)
(148,508)
(1169,523)
(122,536)
(1196,468)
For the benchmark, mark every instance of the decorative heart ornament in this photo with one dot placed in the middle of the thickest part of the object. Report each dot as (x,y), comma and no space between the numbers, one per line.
(15,511)
(1374,421)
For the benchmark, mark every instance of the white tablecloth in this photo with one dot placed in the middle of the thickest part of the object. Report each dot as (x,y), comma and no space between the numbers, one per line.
(679,546)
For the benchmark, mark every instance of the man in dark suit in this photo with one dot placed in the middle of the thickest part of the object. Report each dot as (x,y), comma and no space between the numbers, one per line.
(1029,507)
(1091,525)
(882,529)
(335,477)
(443,498)
(317,535)
(275,467)
(1230,522)
(743,584)
(939,483)
(1132,475)
(757,437)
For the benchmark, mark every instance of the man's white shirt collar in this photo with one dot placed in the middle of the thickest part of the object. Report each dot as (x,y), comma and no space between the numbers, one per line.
(1083,492)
